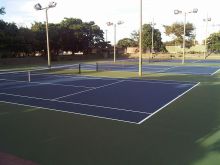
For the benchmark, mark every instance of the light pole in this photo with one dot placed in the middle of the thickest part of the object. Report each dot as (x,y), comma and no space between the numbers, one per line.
(140,42)
(106,35)
(152,38)
(207,19)
(184,28)
(39,7)
(114,24)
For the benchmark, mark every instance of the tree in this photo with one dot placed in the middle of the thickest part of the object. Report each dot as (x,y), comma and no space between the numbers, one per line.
(81,36)
(2,10)
(213,42)
(3,38)
(25,41)
(15,41)
(54,38)
(39,31)
(127,42)
(70,34)
(8,36)
(147,38)
(176,31)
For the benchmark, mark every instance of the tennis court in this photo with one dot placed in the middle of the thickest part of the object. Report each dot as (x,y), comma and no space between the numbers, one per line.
(127,100)
(192,70)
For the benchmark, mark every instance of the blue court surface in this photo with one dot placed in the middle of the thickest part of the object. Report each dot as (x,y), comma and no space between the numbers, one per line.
(192,70)
(127,100)
(202,61)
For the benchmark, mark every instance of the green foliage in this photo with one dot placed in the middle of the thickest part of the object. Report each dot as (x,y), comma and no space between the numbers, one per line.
(8,36)
(83,36)
(25,41)
(2,11)
(69,35)
(176,31)
(127,42)
(147,38)
(213,42)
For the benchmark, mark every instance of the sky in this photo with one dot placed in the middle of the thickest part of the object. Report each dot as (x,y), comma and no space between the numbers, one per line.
(22,12)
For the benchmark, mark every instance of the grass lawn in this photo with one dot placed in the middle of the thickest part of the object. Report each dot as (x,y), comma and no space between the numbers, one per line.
(187,132)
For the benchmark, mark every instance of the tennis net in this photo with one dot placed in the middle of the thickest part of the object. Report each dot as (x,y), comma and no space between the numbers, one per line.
(115,67)
(161,58)
(41,73)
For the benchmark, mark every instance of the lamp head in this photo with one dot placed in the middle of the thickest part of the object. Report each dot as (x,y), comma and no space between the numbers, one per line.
(109,23)
(177,12)
(52,4)
(120,22)
(38,6)
(195,10)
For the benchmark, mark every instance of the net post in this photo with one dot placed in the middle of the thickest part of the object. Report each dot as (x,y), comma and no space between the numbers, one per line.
(79,68)
(97,69)
(29,76)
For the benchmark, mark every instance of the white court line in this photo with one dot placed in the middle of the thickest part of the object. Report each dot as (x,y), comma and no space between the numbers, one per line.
(168,103)
(99,106)
(153,81)
(145,80)
(45,75)
(215,72)
(39,83)
(51,75)
(70,112)
(64,85)
(107,78)
(193,73)
(68,77)
(164,70)
(9,70)
(88,90)
(75,103)
(156,66)
(183,73)
(159,82)
(196,61)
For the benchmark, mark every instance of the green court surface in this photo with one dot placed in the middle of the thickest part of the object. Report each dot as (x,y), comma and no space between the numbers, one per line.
(187,132)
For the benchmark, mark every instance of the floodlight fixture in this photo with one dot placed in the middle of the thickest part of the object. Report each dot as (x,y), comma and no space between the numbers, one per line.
(177,11)
(120,22)
(38,6)
(195,10)
(109,23)
(52,4)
